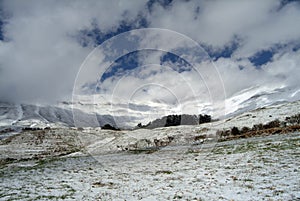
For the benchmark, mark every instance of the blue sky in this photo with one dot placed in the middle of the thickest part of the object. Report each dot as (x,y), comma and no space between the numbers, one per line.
(46,42)
(1,24)
(258,59)
(1,33)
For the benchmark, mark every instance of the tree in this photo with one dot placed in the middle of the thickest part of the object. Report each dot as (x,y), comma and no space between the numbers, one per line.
(235,131)
(272,124)
(204,118)
(245,129)
(109,127)
(173,120)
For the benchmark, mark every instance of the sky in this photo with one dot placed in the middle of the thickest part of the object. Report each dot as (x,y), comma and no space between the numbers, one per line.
(252,45)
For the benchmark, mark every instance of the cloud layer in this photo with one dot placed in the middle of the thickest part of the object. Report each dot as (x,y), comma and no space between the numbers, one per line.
(45,42)
(41,55)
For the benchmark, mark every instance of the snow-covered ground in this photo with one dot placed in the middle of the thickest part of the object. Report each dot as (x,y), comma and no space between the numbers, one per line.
(93,164)
(262,168)
(95,141)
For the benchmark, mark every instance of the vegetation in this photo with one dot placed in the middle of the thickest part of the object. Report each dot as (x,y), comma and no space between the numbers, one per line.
(272,124)
(163,172)
(235,131)
(109,127)
(293,120)
(173,120)
(176,120)
(204,118)
(290,124)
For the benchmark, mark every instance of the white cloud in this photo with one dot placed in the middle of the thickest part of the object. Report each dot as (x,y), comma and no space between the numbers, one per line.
(285,68)
(41,55)
(259,24)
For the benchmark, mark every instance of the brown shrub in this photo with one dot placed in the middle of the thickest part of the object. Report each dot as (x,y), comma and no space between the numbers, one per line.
(257,127)
(235,131)
(245,129)
(272,124)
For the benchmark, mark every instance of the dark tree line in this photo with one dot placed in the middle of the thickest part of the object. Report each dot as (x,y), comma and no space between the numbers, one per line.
(204,118)
(173,120)
(176,120)
(109,127)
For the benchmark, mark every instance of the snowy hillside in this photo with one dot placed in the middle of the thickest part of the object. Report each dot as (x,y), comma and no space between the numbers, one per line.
(98,110)
(258,97)
(95,141)
(168,163)
(61,115)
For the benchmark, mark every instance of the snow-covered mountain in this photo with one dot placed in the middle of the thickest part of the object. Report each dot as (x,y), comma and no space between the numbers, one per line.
(258,97)
(98,110)
(25,115)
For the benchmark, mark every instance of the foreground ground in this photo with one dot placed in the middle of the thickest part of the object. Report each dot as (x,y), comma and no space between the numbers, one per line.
(258,168)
